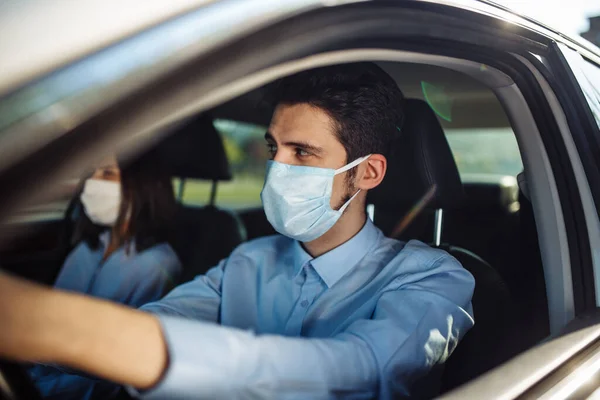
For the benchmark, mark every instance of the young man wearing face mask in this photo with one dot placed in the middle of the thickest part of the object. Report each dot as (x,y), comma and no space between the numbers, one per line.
(330,308)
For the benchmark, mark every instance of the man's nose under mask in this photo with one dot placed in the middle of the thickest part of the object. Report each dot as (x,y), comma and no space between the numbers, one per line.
(297,199)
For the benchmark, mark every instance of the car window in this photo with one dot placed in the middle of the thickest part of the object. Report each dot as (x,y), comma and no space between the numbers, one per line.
(588,76)
(483,152)
(591,88)
(477,128)
(246,151)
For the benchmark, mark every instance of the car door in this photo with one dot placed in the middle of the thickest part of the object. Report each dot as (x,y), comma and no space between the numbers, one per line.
(567,366)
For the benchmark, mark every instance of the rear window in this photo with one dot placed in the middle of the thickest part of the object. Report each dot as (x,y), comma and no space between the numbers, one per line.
(483,152)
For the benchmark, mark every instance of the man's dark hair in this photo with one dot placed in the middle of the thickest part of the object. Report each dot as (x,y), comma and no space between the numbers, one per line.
(363,100)
(148,200)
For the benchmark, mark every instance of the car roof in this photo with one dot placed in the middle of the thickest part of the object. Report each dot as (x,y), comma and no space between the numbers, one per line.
(40,37)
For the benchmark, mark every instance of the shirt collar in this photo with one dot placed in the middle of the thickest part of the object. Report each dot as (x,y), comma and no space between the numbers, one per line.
(334,264)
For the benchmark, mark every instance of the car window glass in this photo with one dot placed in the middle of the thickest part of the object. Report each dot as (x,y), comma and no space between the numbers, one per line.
(588,77)
(591,73)
(246,151)
(481,152)
(476,126)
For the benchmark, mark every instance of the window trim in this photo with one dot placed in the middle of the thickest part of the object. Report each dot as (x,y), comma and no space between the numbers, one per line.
(589,208)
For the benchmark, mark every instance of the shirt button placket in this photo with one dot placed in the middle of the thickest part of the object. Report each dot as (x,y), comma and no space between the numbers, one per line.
(294,324)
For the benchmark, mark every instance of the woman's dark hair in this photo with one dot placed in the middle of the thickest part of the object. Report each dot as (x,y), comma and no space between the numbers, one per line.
(147,199)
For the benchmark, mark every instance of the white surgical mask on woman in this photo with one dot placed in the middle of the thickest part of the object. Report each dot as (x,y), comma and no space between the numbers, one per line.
(297,199)
(101,201)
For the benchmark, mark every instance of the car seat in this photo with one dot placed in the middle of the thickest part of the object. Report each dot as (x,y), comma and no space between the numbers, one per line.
(204,234)
(422,179)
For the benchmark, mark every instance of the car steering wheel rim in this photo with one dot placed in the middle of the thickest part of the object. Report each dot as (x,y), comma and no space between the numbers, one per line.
(15,383)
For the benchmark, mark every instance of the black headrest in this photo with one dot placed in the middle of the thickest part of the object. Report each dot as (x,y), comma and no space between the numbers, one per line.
(420,159)
(195,150)
(501,195)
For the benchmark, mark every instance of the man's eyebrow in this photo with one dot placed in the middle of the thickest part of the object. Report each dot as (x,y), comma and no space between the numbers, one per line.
(305,146)
(269,137)
(299,144)
(107,166)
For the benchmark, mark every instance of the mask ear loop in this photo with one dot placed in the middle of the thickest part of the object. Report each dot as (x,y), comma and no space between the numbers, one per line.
(346,204)
(351,165)
(346,168)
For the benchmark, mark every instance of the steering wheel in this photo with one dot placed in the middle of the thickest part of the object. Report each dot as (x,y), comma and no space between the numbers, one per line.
(15,383)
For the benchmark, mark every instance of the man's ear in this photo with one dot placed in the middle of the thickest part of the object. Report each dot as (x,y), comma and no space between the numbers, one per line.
(371,172)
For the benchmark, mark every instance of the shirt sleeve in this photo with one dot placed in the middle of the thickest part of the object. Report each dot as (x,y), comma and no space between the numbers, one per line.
(414,327)
(199,299)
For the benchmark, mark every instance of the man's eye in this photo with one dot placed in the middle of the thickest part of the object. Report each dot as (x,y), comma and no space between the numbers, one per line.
(272,149)
(302,153)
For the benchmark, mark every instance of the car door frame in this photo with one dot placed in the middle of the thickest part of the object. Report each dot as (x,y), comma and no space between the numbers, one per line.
(584,131)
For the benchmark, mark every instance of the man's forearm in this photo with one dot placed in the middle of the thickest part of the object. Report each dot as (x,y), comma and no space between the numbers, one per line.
(102,338)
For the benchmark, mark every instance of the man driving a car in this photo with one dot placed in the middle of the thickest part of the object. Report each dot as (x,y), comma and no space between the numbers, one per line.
(328,308)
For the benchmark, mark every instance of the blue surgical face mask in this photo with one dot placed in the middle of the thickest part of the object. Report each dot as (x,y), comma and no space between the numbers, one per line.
(297,199)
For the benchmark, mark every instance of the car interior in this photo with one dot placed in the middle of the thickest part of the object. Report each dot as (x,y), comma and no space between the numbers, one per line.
(451,183)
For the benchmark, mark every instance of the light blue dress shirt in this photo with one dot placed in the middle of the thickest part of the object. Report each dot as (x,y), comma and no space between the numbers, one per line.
(126,277)
(361,321)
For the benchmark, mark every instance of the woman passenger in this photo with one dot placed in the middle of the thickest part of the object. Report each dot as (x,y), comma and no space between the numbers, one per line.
(123,224)
(123,229)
